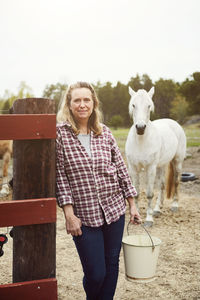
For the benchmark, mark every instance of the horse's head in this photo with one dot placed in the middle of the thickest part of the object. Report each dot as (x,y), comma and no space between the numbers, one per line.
(140,106)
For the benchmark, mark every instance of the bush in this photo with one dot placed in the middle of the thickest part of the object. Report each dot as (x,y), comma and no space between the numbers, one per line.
(179,108)
(116,121)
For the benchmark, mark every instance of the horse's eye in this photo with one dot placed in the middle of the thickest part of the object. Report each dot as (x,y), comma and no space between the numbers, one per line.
(133,105)
(149,106)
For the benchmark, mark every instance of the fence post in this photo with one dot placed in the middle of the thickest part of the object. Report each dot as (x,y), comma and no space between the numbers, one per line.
(34,246)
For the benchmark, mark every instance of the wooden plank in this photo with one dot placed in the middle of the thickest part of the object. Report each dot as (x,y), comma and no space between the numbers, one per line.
(44,289)
(27,126)
(34,178)
(27,212)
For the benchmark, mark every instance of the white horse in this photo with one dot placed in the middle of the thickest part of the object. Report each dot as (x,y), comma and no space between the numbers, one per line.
(5,155)
(152,146)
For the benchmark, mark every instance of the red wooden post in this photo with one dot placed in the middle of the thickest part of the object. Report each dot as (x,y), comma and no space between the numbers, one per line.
(34,255)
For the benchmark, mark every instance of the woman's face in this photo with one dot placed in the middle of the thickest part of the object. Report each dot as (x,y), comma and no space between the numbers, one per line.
(81,104)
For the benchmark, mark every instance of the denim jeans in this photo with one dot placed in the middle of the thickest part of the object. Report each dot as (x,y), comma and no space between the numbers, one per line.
(99,249)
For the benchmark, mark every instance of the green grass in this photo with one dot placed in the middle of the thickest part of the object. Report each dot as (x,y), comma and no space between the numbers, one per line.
(192,133)
(120,136)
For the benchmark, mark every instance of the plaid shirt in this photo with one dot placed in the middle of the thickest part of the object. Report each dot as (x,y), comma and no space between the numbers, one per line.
(96,187)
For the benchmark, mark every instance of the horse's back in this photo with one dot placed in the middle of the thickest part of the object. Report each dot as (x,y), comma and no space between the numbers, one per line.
(177,130)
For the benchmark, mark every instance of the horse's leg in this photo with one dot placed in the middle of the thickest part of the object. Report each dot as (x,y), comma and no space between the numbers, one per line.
(5,187)
(161,186)
(177,165)
(151,174)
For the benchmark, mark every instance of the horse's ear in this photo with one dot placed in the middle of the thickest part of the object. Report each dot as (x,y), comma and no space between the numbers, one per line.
(151,92)
(131,91)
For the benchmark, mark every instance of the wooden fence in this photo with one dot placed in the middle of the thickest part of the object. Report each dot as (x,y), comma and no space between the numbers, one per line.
(32,212)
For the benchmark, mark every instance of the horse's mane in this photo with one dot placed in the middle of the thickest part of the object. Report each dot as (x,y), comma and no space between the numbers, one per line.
(141,92)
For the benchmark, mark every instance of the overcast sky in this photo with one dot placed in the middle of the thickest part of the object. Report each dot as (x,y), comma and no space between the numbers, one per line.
(44,41)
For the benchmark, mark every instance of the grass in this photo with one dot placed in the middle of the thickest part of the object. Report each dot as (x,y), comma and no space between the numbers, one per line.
(192,133)
(120,136)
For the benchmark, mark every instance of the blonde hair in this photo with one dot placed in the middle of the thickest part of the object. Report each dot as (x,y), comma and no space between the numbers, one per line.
(65,115)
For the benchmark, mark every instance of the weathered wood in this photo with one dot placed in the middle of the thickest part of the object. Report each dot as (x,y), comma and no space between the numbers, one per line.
(34,253)
(28,212)
(24,127)
(45,289)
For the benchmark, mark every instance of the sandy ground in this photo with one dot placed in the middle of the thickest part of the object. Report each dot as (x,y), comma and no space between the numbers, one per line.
(177,275)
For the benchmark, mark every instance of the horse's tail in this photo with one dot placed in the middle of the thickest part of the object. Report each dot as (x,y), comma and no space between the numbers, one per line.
(170,184)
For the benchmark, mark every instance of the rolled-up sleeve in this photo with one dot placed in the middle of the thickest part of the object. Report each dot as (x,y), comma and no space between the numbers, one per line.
(128,189)
(63,191)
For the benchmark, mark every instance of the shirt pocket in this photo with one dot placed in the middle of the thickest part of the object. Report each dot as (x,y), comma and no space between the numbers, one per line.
(110,172)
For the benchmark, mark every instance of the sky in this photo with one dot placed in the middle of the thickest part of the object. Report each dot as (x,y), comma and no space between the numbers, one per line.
(43,42)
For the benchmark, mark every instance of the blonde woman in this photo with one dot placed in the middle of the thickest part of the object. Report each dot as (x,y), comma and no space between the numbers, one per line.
(92,188)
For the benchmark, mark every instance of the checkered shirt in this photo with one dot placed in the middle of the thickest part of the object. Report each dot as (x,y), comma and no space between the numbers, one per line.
(96,187)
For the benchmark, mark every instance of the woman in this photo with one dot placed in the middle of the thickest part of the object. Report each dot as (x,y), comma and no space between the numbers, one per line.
(92,185)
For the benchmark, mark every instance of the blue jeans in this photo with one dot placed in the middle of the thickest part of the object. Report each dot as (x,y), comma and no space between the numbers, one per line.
(99,249)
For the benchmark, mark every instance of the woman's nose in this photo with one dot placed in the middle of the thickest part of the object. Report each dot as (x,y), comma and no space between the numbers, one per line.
(82,104)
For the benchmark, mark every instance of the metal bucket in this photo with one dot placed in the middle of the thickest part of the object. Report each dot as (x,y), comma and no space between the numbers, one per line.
(140,256)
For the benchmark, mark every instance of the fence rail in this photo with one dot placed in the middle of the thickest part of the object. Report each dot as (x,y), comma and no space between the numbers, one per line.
(44,289)
(24,127)
(28,212)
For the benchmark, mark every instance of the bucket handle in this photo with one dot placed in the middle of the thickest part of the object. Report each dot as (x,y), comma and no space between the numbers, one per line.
(153,246)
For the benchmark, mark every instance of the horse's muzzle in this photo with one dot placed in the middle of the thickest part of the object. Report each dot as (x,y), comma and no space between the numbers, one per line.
(140,129)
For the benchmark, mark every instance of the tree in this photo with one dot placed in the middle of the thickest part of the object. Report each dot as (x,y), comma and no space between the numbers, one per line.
(146,82)
(140,82)
(165,93)
(1,105)
(179,108)
(105,95)
(55,92)
(116,121)
(135,83)
(121,101)
(6,107)
(24,91)
(190,89)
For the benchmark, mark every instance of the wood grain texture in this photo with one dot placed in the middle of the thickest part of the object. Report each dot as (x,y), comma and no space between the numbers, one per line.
(27,212)
(34,246)
(45,289)
(24,127)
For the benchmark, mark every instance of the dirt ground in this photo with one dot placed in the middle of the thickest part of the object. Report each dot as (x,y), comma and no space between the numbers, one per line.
(178,268)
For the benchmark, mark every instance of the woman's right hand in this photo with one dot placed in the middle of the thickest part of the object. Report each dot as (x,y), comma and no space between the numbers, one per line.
(73,223)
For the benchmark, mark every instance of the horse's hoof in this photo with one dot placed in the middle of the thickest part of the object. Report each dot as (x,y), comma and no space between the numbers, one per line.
(174,209)
(156,213)
(148,224)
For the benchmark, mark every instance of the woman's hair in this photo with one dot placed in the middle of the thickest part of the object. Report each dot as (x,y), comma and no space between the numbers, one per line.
(65,115)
